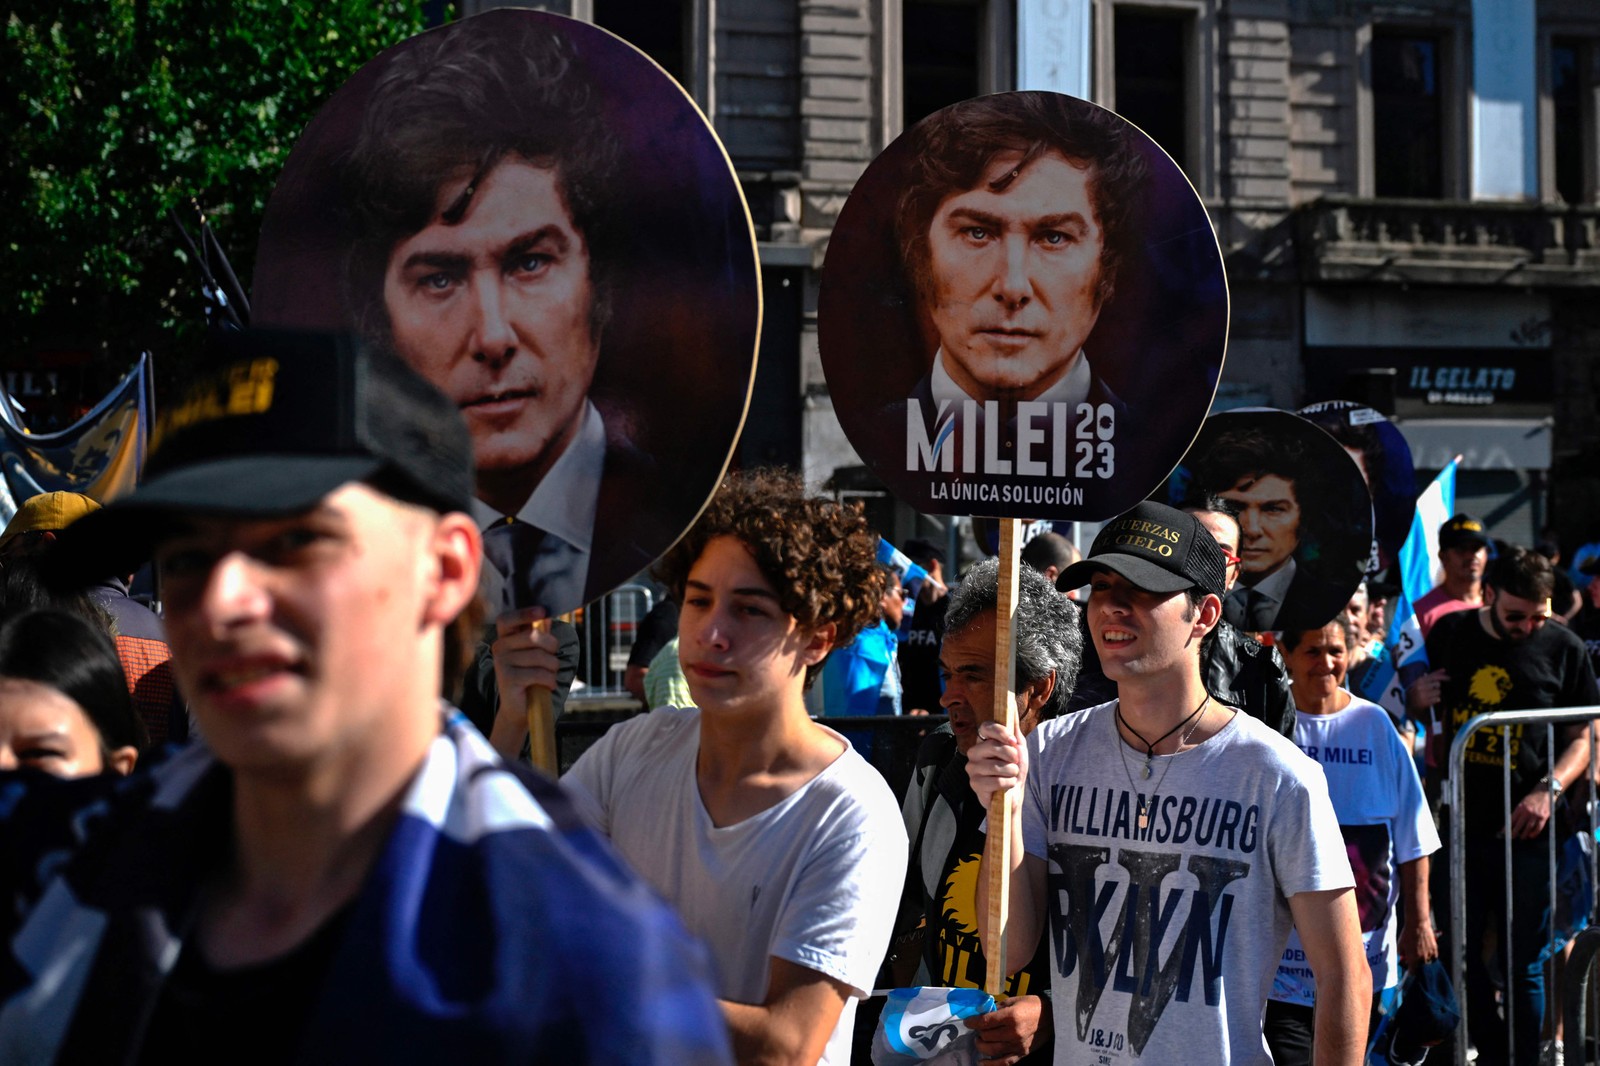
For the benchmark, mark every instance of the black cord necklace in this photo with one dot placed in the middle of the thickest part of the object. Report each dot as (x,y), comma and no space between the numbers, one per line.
(1149,748)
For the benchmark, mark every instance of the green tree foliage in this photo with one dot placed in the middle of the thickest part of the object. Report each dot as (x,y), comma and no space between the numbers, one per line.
(116,111)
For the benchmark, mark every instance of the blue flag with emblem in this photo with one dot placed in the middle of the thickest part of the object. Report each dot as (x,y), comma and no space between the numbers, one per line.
(100,455)
(1402,658)
(924,1025)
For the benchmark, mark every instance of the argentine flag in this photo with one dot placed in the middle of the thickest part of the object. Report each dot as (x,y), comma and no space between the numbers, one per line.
(922,1026)
(1403,658)
(911,575)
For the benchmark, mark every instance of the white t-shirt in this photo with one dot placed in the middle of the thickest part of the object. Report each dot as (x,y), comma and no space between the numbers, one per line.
(814,880)
(1166,935)
(1384,818)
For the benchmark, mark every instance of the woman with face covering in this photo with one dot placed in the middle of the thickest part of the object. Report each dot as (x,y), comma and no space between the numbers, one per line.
(64,703)
(1384,816)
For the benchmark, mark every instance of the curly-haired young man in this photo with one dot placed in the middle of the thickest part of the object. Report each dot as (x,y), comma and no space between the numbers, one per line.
(778,844)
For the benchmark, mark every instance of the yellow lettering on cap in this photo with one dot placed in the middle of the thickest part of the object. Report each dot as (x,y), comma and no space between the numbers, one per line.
(1156,529)
(244,389)
(250,387)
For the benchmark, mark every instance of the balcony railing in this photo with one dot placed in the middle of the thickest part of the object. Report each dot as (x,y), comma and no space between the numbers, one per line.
(1447,242)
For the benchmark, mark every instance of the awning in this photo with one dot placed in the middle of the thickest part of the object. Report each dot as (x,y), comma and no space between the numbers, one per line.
(1483,444)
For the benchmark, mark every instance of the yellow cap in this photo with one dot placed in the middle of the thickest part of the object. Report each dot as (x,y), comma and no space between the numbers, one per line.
(48,511)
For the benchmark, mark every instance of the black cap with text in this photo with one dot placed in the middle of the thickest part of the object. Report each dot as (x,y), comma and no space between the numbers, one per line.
(279,420)
(1463,531)
(1157,548)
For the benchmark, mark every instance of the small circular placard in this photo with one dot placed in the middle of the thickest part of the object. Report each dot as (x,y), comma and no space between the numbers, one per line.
(1305,518)
(1384,458)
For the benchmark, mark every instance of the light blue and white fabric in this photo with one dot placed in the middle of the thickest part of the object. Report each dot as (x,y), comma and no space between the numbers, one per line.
(911,576)
(494,926)
(923,1025)
(1403,657)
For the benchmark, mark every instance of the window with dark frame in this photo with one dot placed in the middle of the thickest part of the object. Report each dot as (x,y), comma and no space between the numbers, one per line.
(659,29)
(757,91)
(941,57)
(1407,115)
(1566,99)
(1152,83)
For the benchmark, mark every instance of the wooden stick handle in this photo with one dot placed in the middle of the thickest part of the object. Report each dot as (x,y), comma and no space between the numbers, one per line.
(997,869)
(542,724)
(997,849)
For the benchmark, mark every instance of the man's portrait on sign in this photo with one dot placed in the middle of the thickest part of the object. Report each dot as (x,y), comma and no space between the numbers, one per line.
(1023,311)
(1384,458)
(1305,517)
(536,218)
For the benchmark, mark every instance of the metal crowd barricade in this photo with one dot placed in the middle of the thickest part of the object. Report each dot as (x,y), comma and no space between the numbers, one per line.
(606,632)
(1504,721)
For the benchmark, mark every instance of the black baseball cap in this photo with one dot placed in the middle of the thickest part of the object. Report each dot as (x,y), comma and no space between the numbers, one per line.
(1158,548)
(276,421)
(1463,531)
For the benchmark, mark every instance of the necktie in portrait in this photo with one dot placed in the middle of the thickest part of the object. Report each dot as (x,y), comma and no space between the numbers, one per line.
(511,546)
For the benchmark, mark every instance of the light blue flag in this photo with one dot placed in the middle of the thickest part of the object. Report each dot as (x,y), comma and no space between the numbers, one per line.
(100,455)
(922,1026)
(911,576)
(1403,658)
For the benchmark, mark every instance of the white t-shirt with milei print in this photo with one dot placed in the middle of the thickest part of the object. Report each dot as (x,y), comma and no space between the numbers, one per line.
(1385,821)
(1166,930)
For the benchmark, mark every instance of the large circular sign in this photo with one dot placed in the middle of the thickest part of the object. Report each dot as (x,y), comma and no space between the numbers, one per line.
(536,217)
(1384,459)
(1305,518)
(1023,311)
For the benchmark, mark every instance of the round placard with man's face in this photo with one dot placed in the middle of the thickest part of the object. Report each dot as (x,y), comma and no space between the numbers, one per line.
(1382,455)
(533,215)
(1305,518)
(1023,311)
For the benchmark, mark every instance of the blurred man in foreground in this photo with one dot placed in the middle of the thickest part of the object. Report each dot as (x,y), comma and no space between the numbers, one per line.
(342,846)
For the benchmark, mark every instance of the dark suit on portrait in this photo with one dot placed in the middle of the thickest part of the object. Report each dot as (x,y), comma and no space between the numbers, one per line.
(637,515)
(1312,600)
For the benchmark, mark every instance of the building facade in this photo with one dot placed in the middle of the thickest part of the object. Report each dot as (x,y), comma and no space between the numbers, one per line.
(1404,192)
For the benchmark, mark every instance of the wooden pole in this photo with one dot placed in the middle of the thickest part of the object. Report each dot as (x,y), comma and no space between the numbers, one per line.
(997,850)
(542,722)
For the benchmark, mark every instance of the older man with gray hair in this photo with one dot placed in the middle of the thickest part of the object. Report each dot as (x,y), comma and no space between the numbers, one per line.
(943,816)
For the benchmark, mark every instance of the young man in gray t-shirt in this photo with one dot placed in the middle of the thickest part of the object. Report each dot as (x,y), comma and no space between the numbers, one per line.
(1167,842)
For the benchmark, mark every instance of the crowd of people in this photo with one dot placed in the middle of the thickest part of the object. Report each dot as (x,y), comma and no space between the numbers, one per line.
(1218,852)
